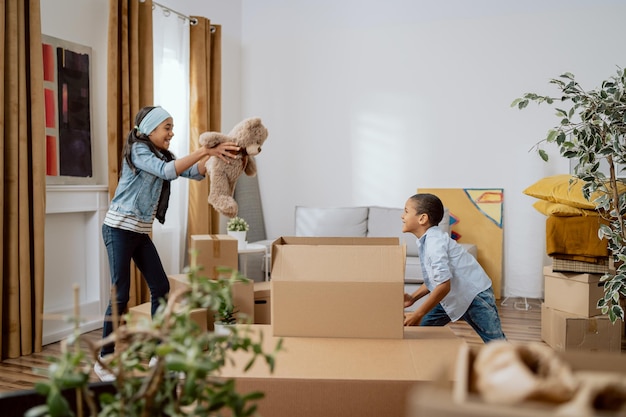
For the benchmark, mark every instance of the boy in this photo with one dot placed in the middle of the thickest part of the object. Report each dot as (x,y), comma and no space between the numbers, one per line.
(458,286)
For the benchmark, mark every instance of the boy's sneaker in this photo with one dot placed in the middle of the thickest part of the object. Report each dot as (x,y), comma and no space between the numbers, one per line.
(102,372)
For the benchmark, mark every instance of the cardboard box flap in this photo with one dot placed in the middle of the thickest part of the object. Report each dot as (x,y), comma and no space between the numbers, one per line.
(574,276)
(324,263)
(362,241)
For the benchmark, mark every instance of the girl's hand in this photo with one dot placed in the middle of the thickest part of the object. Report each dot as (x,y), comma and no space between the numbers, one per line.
(224,150)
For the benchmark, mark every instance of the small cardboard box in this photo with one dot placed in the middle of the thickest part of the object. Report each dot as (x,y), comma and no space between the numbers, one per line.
(142,312)
(338,287)
(574,293)
(566,331)
(262,303)
(339,377)
(243,296)
(215,251)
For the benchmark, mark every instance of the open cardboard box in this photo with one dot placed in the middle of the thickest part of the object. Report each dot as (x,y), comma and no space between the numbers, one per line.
(464,401)
(339,377)
(338,287)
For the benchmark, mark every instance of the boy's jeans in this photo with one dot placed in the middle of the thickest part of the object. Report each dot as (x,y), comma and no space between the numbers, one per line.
(482,315)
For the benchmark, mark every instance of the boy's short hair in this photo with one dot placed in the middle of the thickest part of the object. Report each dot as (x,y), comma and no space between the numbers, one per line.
(429,204)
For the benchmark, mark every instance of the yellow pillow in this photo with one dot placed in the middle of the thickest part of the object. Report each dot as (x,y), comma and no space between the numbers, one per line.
(561,210)
(557,189)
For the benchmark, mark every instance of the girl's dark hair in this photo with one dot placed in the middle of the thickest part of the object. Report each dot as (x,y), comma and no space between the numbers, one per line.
(134,136)
(429,204)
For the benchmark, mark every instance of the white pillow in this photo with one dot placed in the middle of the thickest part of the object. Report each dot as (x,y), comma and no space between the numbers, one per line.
(329,222)
(387,222)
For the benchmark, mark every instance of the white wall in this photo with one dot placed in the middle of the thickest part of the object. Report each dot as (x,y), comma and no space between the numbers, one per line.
(367,101)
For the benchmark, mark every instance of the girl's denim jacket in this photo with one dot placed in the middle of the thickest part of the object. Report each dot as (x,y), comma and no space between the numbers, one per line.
(137,193)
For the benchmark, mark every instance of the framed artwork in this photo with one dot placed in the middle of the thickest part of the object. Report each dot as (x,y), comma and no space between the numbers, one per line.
(67,94)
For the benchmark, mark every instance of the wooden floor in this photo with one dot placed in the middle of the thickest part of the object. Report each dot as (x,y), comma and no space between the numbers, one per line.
(521,322)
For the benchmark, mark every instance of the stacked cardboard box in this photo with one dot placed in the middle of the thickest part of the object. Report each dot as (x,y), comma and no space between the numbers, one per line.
(336,304)
(213,252)
(569,317)
(262,303)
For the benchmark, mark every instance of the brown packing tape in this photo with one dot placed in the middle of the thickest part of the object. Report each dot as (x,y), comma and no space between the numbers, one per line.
(217,252)
(216,246)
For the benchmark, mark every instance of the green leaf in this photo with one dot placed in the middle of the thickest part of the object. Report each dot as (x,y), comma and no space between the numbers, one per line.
(561,113)
(543,154)
(552,135)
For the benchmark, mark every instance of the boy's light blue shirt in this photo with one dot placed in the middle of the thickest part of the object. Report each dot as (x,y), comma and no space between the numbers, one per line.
(443,259)
(137,193)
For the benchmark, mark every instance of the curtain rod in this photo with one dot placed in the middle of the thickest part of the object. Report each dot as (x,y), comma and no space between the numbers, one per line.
(192,20)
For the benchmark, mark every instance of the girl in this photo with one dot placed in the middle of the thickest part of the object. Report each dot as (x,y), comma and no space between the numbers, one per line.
(141,195)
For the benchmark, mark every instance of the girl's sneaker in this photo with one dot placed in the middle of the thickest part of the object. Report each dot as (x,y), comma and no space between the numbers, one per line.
(102,372)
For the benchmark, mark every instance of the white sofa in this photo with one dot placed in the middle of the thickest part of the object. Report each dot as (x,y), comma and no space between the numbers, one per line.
(367,221)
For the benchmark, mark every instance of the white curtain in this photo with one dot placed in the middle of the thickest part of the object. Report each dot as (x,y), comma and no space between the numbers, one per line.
(171,91)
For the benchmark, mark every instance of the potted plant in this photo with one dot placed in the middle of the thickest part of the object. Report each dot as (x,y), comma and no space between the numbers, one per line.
(184,381)
(238,228)
(225,313)
(592,129)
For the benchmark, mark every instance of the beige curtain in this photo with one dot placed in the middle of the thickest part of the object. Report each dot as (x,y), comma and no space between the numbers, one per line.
(22,167)
(205,73)
(130,87)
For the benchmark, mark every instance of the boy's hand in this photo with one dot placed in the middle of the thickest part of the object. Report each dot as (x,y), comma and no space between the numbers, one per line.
(413,319)
(408,300)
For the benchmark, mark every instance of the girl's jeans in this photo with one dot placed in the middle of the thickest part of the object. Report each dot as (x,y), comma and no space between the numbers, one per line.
(482,315)
(122,246)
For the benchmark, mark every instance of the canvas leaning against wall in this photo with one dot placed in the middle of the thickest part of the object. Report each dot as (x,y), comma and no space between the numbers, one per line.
(67,95)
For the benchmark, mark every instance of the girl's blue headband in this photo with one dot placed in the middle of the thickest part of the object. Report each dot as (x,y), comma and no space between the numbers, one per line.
(153,119)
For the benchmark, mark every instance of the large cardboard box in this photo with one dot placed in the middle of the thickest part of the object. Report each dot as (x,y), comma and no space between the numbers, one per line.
(339,377)
(463,400)
(214,251)
(243,297)
(338,287)
(262,303)
(566,331)
(574,293)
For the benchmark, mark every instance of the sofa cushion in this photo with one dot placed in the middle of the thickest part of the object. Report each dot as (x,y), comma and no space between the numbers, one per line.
(324,222)
(387,222)
(413,272)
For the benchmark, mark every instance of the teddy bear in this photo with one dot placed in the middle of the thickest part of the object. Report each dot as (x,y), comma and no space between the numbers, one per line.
(249,135)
